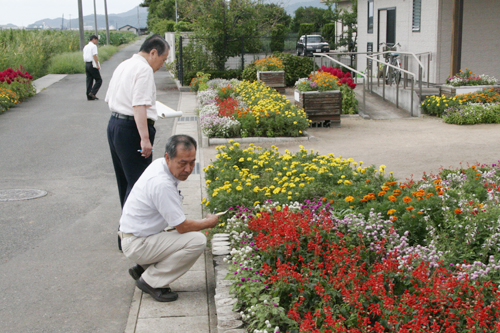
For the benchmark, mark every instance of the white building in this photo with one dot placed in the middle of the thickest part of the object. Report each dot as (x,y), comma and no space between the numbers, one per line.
(428,26)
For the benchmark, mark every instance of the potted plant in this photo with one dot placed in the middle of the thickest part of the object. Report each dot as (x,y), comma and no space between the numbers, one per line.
(466,82)
(321,96)
(271,71)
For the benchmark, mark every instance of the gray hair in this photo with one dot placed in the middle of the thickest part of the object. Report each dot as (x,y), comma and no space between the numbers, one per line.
(173,142)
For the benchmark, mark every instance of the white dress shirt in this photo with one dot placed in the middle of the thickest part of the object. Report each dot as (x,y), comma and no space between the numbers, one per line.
(132,84)
(154,203)
(89,51)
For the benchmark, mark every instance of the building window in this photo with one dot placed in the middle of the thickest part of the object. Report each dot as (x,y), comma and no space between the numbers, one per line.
(417,9)
(370,16)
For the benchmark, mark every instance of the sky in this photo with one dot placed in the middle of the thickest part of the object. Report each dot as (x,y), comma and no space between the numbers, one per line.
(26,12)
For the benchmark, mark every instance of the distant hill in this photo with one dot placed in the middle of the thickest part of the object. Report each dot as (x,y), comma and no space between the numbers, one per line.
(135,17)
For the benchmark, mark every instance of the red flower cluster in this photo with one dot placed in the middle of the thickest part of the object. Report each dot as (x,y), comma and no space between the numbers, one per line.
(9,75)
(226,106)
(344,78)
(329,281)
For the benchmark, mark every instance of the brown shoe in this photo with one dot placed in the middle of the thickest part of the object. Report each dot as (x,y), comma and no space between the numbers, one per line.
(159,294)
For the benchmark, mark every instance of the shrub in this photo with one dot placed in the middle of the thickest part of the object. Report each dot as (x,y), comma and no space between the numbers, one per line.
(183,26)
(160,26)
(250,72)
(278,38)
(295,67)
(269,64)
(472,114)
(20,83)
(435,105)
(328,32)
(305,29)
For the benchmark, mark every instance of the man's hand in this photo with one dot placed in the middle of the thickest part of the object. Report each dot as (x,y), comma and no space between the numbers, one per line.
(146,148)
(196,225)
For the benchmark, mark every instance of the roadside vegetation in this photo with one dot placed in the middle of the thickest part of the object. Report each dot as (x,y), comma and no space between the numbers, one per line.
(27,55)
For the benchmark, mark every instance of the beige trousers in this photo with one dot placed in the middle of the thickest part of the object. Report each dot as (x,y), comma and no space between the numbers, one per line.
(165,256)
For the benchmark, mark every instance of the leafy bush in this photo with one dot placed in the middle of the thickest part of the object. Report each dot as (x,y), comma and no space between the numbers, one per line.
(328,32)
(305,29)
(15,86)
(250,72)
(278,38)
(160,26)
(472,114)
(295,67)
(183,26)
(199,82)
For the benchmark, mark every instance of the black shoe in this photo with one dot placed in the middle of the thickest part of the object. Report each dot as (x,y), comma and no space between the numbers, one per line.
(119,243)
(92,97)
(159,294)
(136,272)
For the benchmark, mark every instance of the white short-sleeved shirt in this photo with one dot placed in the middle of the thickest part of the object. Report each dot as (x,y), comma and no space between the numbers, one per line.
(132,84)
(89,51)
(154,203)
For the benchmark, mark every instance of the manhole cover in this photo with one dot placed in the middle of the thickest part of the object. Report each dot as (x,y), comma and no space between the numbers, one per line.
(13,195)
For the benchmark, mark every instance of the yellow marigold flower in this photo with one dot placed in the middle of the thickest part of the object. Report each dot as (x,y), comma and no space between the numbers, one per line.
(391,211)
(349,199)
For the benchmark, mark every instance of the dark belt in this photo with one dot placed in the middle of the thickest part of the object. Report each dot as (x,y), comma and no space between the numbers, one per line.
(122,116)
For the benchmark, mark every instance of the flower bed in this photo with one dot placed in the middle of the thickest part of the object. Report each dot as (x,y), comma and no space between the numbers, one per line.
(243,109)
(439,105)
(362,252)
(467,78)
(15,86)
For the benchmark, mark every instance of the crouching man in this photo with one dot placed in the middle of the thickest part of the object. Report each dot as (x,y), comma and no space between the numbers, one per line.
(155,204)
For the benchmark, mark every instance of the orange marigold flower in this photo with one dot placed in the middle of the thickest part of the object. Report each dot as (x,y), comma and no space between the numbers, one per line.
(385,188)
(410,208)
(440,193)
(381,193)
(367,181)
(458,211)
(429,195)
(393,218)
(407,199)
(391,211)
(392,198)
(349,198)
(420,213)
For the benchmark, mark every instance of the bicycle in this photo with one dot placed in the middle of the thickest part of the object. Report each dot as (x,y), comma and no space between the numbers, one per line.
(392,75)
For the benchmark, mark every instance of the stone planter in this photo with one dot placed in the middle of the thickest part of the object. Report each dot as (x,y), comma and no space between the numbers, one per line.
(450,91)
(320,105)
(273,79)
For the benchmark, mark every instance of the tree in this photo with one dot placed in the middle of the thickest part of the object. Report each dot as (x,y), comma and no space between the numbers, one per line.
(315,15)
(349,19)
(159,10)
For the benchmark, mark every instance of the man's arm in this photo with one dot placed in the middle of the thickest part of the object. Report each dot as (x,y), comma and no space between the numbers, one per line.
(97,61)
(196,225)
(141,121)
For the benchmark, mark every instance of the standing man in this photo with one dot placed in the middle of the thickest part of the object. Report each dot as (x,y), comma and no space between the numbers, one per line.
(92,68)
(155,203)
(131,98)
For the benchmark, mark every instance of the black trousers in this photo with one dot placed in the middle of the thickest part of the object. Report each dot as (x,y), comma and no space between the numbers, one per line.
(93,74)
(124,143)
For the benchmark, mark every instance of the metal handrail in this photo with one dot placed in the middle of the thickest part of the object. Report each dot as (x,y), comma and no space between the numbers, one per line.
(351,69)
(397,89)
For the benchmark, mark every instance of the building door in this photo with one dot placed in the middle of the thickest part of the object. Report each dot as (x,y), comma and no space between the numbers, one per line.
(386,32)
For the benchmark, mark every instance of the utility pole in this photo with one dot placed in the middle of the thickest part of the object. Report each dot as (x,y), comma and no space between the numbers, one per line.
(80,23)
(95,19)
(107,23)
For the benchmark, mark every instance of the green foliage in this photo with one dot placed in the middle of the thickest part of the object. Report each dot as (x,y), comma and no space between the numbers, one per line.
(160,26)
(295,67)
(32,49)
(278,38)
(436,105)
(472,114)
(183,26)
(227,74)
(159,9)
(116,38)
(71,62)
(199,82)
(306,29)
(349,101)
(328,32)
(317,17)
(8,99)
(250,72)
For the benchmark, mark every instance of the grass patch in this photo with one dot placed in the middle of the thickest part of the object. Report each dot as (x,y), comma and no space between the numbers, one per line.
(72,62)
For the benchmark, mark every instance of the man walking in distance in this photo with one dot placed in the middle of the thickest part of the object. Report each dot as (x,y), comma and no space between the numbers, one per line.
(163,255)
(92,68)
(131,98)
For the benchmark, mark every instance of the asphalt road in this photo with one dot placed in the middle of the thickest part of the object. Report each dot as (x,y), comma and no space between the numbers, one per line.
(60,269)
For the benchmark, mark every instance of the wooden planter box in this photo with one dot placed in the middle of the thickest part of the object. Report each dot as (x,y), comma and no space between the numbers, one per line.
(450,91)
(273,79)
(320,105)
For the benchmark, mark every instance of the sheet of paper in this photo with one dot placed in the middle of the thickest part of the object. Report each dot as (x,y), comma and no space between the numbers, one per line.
(166,112)
(221,213)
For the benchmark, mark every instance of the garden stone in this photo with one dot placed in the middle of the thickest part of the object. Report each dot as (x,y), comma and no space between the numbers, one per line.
(238,330)
(225,301)
(221,244)
(224,283)
(221,250)
(225,325)
(220,235)
(229,316)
